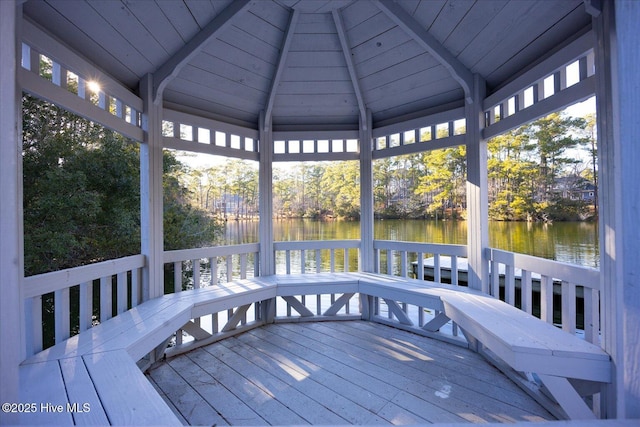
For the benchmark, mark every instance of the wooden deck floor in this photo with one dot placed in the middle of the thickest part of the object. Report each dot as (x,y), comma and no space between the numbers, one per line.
(338,373)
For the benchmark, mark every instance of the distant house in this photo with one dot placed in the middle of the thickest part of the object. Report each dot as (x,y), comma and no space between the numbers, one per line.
(574,187)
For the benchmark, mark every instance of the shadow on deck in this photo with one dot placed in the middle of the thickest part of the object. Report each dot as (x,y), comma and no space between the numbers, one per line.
(353,372)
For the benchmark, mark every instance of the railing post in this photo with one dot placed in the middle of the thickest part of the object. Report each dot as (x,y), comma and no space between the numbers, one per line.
(12,327)
(151,216)
(477,192)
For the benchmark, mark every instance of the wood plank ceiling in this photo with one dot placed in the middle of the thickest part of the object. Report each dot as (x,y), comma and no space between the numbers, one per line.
(312,63)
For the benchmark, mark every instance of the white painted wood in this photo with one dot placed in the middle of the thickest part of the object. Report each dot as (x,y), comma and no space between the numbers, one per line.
(86,306)
(49,282)
(348,58)
(42,385)
(574,94)
(81,394)
(48,45)
(407,23)
(239,316)
(62,315)
(357,370)
(294,303)
(106,298)
(208,252)
(585,276)
(12,309)
(282,59)
(577,48)
(398,312)
(196,331)
(42,88)
(172,67)
(617,129)
(477,196)
(265,182)
(565,394)
(126,395)
(151,211)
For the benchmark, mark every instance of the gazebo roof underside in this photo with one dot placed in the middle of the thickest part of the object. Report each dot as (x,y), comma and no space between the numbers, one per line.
(312,63)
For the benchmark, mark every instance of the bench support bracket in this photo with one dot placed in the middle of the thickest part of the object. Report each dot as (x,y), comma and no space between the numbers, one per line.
(568,398)
(340,302)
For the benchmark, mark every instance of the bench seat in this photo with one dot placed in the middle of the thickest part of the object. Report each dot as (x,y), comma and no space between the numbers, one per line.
(524,342)
(99,365)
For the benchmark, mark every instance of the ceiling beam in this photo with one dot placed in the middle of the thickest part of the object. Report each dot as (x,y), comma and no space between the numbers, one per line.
(348,58)
(458,71)
(284,51)
(170,69)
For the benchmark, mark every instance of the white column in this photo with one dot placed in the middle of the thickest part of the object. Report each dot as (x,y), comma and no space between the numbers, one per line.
(366,195)
(618,91)
(265,182)
(477,193)
(151,214)
(11,259)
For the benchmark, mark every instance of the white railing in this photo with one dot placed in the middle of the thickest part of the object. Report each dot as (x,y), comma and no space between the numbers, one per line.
(63,303)
(79,298)
(289,254)
(393,257)
(571,292)
(200,267)
(209,266)
(406,259)
(315,256)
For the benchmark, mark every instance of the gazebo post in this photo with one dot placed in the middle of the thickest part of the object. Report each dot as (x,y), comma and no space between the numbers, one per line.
(618,91)
(12,327)
(366,195)
(477,190)
(265,183)
(151,210)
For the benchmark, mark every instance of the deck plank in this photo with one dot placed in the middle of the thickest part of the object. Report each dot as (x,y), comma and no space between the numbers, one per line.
(190,405)
(439,386)
(235,410)
(263,403)
(287,369)
(470,382)
(468,364)
(348,373)
(303,405)
(338,383)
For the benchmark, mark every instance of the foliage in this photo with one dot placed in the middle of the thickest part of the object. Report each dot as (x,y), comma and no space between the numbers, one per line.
(81,193)
(524,167)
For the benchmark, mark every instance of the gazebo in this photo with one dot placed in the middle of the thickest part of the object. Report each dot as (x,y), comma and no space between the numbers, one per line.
(309,80)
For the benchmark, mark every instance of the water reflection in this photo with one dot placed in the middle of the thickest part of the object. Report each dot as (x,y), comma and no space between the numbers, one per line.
(572,242)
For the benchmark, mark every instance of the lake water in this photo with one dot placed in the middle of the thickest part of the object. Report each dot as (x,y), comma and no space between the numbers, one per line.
(572,242)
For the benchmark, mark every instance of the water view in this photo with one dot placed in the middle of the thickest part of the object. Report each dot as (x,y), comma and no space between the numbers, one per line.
(571,242)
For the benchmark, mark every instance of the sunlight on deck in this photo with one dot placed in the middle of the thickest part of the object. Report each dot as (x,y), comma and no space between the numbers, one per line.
(338,373)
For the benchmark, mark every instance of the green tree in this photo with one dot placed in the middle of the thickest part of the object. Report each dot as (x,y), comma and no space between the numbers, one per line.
(554,135)
(341,189)
(512,176)
(444,179)
(81,197)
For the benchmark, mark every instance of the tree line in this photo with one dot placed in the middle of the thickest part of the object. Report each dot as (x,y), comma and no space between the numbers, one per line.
(528,179)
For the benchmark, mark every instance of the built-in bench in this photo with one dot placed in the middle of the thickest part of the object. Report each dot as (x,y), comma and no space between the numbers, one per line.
(93,377)
(98,367)
(521,340)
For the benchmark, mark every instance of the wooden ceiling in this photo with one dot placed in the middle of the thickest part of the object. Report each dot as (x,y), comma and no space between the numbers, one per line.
(312,63)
